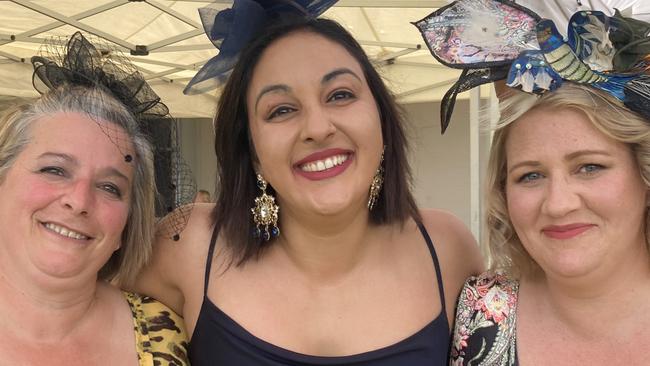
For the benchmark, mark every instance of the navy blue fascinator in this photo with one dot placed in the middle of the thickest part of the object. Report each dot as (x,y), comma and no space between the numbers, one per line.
(230,30)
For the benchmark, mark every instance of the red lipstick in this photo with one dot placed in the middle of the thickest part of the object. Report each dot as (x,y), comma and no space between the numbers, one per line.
(321,156)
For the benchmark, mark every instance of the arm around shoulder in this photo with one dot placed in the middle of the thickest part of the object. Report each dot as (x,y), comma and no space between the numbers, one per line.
(176,265)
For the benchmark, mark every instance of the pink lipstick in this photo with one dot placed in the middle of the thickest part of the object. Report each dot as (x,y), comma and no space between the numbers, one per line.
(324,164)
(566,231)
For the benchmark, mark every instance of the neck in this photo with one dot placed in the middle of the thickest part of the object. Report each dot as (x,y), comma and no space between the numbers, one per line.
(326,248)
(47,312)
(616,295)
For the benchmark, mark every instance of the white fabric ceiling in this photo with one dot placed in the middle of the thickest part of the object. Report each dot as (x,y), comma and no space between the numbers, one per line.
(173,35)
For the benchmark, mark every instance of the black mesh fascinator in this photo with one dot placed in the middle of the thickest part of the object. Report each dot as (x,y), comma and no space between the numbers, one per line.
(76,61)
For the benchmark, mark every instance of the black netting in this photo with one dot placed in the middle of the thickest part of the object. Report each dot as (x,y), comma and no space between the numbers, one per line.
(77,61)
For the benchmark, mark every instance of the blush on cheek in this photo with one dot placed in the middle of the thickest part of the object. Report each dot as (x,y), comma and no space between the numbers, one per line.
(38,192)
(114,217)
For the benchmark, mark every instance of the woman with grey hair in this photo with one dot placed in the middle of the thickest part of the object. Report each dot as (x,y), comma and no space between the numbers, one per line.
(77,202)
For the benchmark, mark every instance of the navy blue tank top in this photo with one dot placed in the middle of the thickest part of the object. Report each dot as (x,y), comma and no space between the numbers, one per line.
(219,341)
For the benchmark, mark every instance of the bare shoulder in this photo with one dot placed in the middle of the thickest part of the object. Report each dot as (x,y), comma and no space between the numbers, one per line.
(176,268)
(453,237)
(457,250)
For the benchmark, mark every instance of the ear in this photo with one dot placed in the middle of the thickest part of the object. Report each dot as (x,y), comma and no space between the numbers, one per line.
(257,168)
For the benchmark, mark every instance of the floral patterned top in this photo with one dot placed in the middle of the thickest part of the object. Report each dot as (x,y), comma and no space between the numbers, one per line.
(159,333)
(484,332)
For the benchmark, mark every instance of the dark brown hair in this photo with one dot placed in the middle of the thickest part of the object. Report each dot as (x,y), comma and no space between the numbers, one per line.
(236,182)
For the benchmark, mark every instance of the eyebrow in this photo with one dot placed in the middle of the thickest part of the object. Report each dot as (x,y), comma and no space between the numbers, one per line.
(271,88)
(524,163)
(285,88)
(108,171)
(569,157)
(342,71)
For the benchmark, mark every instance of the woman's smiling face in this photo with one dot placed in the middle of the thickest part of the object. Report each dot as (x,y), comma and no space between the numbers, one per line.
(66,198)
(575,196)
(314,124)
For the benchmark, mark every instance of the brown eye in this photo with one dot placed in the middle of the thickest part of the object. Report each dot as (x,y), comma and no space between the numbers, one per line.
(280,111)
(340,95)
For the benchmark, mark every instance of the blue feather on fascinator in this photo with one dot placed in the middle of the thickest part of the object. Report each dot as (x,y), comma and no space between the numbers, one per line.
(230,30)
(498,39)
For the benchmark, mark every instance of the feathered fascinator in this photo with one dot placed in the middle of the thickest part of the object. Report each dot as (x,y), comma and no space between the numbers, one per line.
(78,62)
(230,30)
(497,39)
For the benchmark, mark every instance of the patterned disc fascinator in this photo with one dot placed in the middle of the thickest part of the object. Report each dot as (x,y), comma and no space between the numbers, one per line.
(77,61)
(230,30)
(492,40)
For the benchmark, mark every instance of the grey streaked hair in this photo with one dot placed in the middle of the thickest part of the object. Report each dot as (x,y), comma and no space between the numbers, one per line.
(138,234)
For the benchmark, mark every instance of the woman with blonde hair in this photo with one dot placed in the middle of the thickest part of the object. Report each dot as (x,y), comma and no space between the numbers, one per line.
(567,212)
(77,199)
(567,186)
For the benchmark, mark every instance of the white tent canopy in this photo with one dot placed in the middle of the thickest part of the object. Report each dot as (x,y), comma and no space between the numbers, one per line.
(166,42)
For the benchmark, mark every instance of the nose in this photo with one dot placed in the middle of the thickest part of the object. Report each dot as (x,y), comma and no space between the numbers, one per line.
(561,197)
(78,198)
(317,124)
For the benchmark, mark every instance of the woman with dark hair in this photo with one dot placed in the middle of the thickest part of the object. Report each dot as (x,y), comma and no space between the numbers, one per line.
(334,264)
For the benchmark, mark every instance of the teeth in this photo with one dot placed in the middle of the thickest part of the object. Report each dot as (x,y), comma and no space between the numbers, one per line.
(65,232)
(328,163)
(320,165)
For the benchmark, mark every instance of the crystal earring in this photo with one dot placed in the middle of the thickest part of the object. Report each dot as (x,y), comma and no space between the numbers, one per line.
(377,182)
(265,213)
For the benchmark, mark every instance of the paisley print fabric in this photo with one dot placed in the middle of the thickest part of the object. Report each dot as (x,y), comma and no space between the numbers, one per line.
(484,332)
(160,334)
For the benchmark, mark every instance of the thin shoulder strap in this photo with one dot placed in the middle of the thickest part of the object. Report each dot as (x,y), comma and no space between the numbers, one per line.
(208,264)
(436,264)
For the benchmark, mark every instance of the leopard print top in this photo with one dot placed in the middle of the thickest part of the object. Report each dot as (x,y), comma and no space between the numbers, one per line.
(159,333)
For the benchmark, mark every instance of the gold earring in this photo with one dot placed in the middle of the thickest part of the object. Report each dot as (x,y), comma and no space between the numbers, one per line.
(377,182)
(265,213)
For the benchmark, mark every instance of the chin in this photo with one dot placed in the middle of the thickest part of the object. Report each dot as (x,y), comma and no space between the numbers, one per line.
(60,266)
(329,210)
(572,268)
(329,205)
